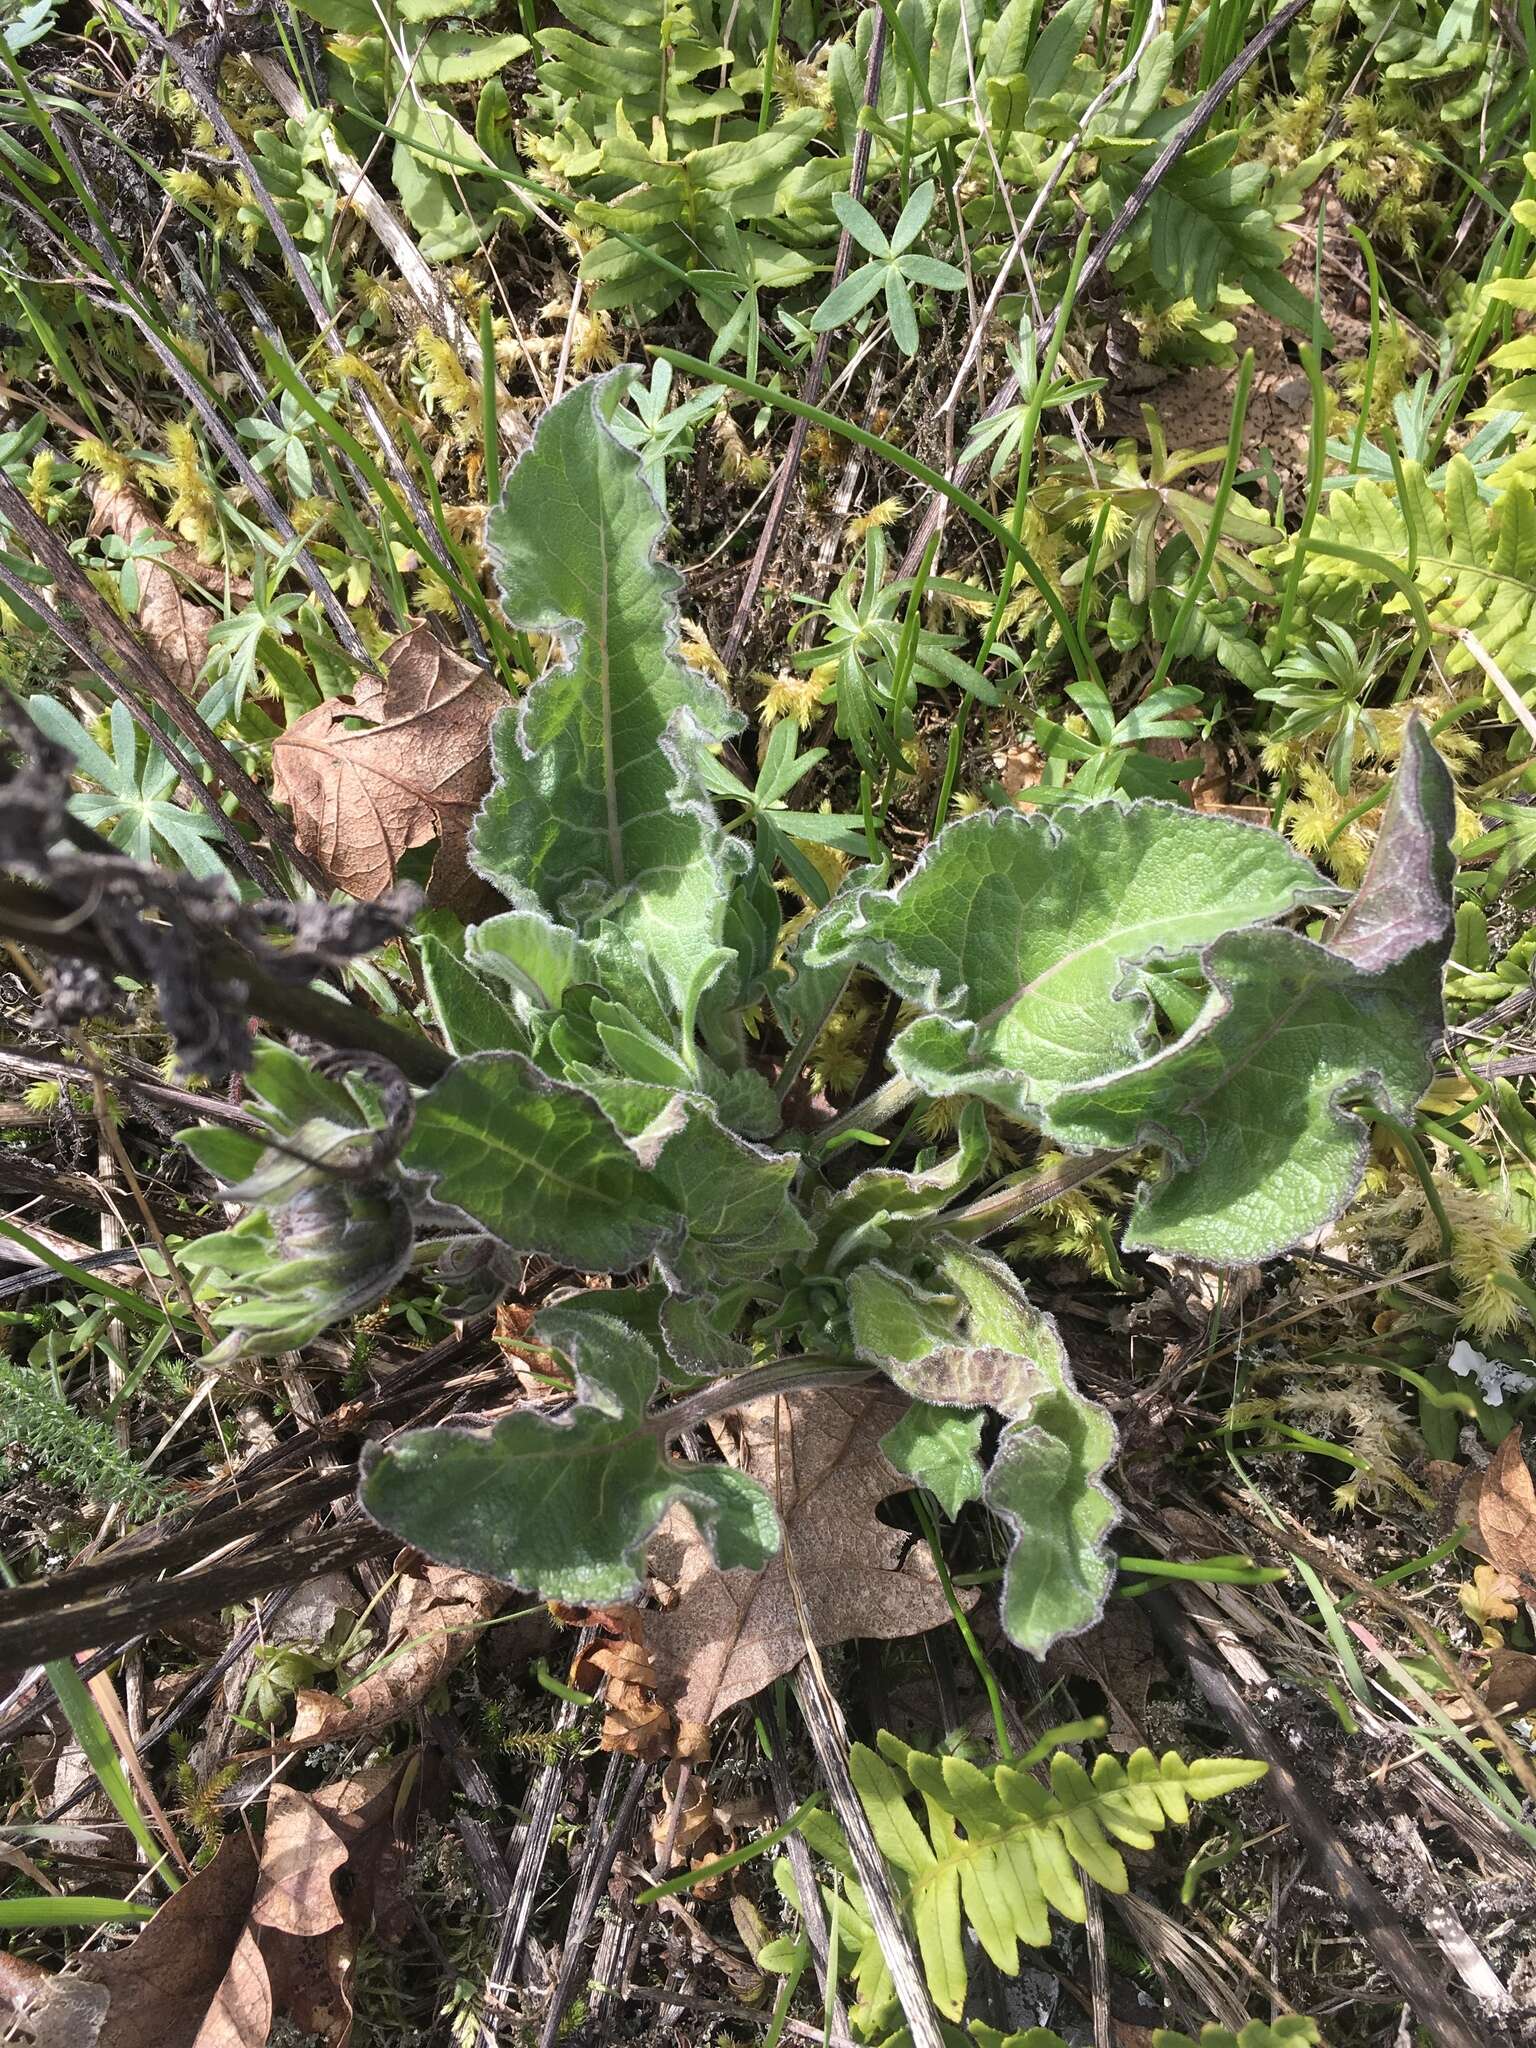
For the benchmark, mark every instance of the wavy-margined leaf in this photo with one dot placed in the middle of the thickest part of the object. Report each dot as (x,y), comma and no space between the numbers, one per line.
(939,1448)
(923,1339)
(884,1203)
(1015,932)
(736,1218)
(971,1339)
(538,1164)
(564,1506)
(597,811)
(1043,1485)
(1249,1101)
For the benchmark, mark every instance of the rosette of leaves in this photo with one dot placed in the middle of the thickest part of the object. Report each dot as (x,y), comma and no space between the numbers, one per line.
(679,184)
(1126,977)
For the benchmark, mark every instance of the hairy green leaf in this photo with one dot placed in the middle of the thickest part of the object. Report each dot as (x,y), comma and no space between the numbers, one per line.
(939,1448)
(1015,932)
(733,1198)
(1249,1101)
(538,1164)
(972,1339)
(597,812)
(563,1505)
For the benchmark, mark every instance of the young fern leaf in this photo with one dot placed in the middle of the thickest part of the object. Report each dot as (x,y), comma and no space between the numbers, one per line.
(1474,569)
(1291,2032)
(996,1851)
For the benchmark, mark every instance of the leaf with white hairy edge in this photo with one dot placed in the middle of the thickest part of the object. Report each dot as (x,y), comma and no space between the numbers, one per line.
(538,1164)
(597,809)
(1014,934)
(1248,1102)
(884,1203)
(922,1340)
(737,1218)
(1043,1484)
(939,1448)
(981,1342)
(564,1506)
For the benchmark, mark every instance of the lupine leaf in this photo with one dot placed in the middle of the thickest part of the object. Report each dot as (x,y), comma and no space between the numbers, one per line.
(563,1506)
(1015,932)
(597,811)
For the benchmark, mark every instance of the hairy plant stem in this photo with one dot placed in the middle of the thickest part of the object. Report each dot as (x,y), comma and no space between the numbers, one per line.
(42,922)
(1011,1200)
(799,1375)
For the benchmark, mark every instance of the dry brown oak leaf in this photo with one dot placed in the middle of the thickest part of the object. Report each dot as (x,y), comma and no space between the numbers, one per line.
(436,1622)
(1506,1515)
(731,1633)
(1510,1687)
(403,760)
(174,624)
(1120,1657)
(245,1939)
(175,627)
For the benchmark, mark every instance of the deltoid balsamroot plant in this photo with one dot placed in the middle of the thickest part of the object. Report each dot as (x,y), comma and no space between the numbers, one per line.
(1126,978)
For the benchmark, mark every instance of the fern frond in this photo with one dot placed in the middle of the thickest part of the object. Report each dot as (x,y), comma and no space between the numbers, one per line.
(1294,2032)
(997,1850)
(1474,567)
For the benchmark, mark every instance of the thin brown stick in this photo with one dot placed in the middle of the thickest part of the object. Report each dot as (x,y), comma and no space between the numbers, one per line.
(106,1124)
(829,1738)
(113,1617)
(1373,1919)
(41,922)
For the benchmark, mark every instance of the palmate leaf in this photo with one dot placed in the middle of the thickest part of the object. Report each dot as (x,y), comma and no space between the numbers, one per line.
(563,1506)
(1248,1101)
(596,812)
(1014,932)
(996,1849)
(972,1338)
